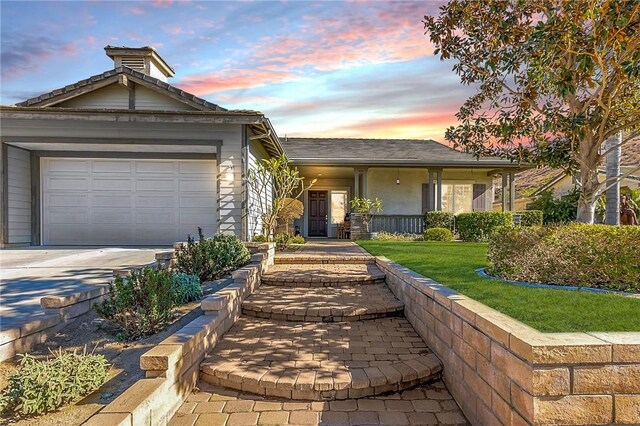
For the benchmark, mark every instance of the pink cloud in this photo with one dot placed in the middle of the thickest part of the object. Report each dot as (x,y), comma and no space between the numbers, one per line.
(162,3)
(221,81)
(137,10)
(172,29)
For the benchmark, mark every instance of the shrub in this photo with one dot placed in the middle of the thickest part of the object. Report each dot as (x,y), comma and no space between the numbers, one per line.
(436,219)
(390,236)
(577,255)
(438,234)
(186,288)
(38,387)
(259,239)
(298,239)
(282,241)
(562,210)
(291,209)
(530,217)
(477,226)
(141,303)
(211,258)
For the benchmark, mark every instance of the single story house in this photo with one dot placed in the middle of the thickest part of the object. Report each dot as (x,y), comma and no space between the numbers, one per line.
(124,158)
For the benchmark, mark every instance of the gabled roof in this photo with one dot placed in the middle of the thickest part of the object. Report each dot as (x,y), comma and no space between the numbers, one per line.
(418,152)
(109,77)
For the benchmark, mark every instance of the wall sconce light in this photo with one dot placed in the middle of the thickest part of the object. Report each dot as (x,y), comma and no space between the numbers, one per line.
(398,177)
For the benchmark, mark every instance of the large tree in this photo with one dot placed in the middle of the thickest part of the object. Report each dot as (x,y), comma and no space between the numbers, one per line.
(554,80)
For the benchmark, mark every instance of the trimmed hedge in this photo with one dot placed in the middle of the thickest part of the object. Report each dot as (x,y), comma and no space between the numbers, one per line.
(478,226)
(439,219)
(530,217)
(438,234)
(598,256)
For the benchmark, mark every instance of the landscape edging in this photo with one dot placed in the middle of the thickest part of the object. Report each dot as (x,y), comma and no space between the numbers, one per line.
(172,367)
(501,371)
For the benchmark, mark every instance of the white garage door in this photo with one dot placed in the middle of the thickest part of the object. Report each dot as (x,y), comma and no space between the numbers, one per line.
(126,202)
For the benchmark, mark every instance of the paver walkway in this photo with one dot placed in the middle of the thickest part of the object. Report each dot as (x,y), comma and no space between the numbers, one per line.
(322,341)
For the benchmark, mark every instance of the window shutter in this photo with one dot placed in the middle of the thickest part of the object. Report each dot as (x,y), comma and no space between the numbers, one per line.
(479,201)
(425,197)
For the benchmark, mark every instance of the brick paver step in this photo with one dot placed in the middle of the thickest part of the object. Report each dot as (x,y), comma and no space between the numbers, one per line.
(323,304)
(209,405)
(320,361)
(320,259)
(323,275)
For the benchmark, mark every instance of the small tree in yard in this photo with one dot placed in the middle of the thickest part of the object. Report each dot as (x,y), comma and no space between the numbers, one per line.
(293,209)
(367,208)
(275,185)
(555,79)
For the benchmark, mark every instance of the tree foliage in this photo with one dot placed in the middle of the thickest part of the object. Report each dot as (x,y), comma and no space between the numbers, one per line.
(555,80)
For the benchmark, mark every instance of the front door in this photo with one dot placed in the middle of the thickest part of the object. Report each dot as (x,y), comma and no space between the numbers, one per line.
(318,213)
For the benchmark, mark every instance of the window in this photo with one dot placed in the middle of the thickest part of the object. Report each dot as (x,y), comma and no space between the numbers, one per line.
(338,206)
(457,198)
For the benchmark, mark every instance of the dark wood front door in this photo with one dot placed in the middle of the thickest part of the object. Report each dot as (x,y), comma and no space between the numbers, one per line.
(318,213)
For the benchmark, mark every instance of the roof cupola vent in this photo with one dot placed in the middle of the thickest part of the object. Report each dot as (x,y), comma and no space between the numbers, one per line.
(143,59)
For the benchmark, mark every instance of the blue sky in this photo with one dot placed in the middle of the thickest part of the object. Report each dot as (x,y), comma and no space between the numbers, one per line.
(348,69)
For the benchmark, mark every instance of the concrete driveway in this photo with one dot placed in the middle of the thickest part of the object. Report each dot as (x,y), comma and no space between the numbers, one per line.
(27,274)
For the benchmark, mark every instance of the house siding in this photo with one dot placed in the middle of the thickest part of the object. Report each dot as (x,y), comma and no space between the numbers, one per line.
(254,213)
(18,195)
(113,96)
(147,99)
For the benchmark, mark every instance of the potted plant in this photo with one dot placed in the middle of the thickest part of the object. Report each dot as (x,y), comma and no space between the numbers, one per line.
(366,209)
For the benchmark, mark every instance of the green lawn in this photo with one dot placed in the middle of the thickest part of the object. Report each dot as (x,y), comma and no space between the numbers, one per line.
(454,264)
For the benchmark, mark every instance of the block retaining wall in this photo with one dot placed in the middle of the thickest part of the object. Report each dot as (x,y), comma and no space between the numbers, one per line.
(503,372)
(172,367)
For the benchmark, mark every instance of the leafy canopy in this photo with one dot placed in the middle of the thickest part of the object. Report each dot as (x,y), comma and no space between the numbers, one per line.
(554,79)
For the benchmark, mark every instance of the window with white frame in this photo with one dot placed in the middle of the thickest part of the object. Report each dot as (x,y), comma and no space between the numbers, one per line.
(457,197)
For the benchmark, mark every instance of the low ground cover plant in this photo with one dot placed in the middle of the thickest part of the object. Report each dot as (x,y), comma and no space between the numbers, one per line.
(438,234)
(259,239)
(283,241)
(478,226)
(397,236)
(211,258)
(598,256)
(186,288)
(38,387)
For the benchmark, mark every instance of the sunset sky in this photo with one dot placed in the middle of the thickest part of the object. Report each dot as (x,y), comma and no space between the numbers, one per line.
(348,69)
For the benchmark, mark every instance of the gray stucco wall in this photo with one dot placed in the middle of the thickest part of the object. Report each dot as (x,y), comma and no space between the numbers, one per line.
(18,195)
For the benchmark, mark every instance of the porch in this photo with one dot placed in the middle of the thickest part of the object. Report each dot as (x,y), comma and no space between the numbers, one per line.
(406,194)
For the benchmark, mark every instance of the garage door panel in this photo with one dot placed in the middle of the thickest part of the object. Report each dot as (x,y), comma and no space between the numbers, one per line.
(111,216)
(188,185)
(116,199)
(167,185)
(199,167)
(110,184)
(66,184)
(204,200)
(110,167)
(66,217)
(155,200)
(159,167)
(59,165)
(197,218)
(68,200)
(155,217)
(126,202)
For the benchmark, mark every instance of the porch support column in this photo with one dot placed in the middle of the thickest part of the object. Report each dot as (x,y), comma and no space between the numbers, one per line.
(432,196)
(356,186)
(439,191)
(512,191)
(505,184)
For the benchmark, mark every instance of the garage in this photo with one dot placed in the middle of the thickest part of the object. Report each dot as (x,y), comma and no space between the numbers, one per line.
(126,201)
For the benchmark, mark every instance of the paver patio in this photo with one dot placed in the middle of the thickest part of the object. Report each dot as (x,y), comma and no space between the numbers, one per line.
(322,341)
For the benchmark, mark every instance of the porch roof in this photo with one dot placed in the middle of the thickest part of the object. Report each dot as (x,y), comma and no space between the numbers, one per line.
(384,152)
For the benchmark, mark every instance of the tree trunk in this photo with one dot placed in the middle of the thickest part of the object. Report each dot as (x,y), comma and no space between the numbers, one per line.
(586,202)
